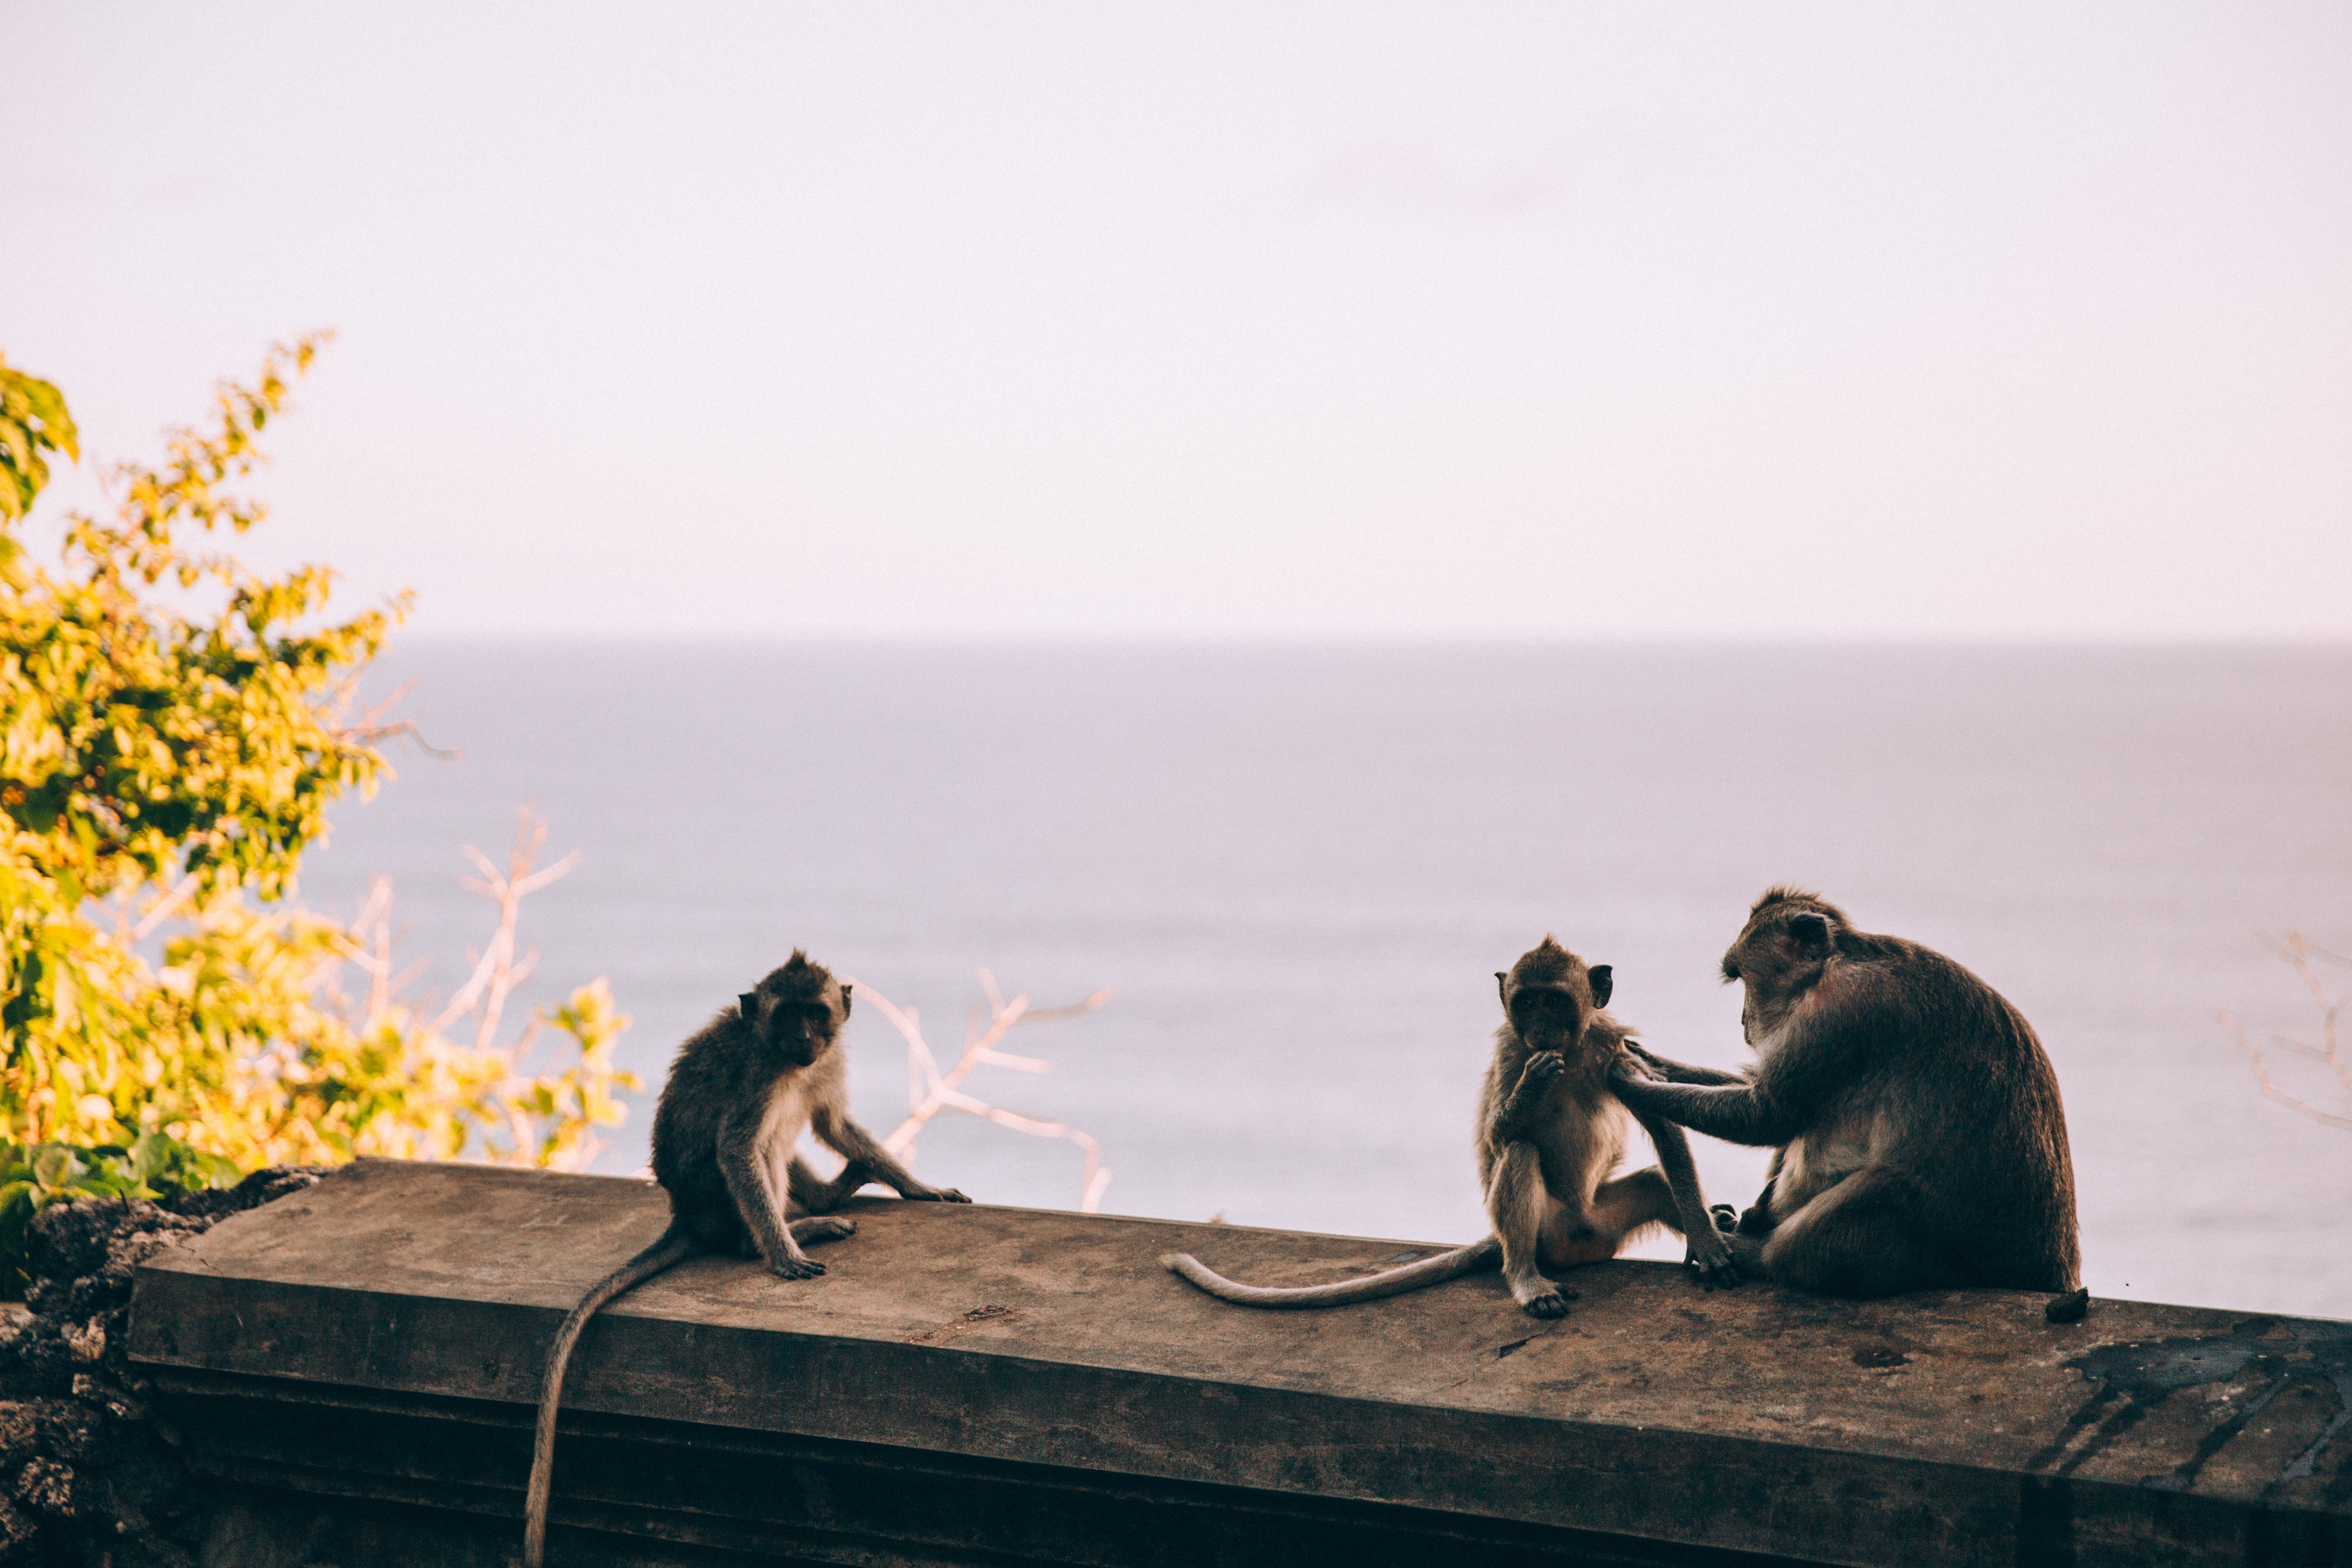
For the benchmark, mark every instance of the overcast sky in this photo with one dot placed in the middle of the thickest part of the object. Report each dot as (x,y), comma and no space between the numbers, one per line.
(1205,319)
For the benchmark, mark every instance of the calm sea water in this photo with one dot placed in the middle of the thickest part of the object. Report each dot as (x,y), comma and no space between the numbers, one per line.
(1300,866)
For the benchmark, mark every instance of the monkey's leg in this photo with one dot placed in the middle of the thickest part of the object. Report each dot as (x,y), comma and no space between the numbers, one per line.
(810,1193)
(749,1184)
(1868,1236)
(1519,1206)
(1618,1209)
(859,1147)
(1757,1220)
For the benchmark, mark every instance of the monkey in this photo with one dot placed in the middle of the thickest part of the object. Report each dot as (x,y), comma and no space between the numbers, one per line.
(741,1093)
(1918,1138)
(1550,1132)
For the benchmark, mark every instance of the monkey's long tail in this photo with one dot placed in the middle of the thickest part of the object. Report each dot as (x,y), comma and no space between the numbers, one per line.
(1461,1260)
(674,1246)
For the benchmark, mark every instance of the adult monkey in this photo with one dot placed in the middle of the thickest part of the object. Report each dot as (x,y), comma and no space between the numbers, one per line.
(1919,1138)
(744,1087)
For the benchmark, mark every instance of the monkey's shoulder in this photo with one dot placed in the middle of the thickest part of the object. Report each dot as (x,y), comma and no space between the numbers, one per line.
(721,1070)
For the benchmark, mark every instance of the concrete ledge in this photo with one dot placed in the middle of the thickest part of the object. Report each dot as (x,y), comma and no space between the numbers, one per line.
(355,1366)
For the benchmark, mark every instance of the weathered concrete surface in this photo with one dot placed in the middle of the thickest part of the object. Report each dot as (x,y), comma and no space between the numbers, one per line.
(1952,1428)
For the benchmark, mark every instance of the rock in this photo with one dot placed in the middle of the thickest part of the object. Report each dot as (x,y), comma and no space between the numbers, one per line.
(86,1475)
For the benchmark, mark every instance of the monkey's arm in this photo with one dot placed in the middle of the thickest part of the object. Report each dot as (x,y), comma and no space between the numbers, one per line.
(1704,1253)
(1792,1081)
(761,1208)
(859,1147)
(808,1192)
(1523,1107)
(1672,1071)
(1746,1114)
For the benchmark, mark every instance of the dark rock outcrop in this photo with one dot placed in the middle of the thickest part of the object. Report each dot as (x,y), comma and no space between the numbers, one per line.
(87,1474)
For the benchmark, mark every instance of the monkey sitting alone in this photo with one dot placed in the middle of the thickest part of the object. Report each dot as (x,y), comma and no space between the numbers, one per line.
(740,1095)
(1550,1131)
(1919,1138)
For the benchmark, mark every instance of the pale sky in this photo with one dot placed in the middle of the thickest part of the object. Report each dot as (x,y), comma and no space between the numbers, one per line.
(1209,320)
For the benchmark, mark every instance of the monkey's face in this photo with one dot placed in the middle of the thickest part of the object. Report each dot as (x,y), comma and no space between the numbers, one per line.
(794,1024)
(1551,1017)
(1550,997)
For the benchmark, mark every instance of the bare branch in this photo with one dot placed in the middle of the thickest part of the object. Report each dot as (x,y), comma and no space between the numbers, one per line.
(164,907)
(2254,1050)
(931,1091)
(555,873)
(376,724)
(1074,1010)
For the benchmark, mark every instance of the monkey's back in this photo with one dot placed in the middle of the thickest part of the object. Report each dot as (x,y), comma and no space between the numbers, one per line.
(1982,1127)
(718,1069)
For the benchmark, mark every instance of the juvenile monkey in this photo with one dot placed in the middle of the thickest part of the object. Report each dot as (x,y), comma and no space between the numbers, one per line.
(740,1095)
(1920,1139)
(1551,1130)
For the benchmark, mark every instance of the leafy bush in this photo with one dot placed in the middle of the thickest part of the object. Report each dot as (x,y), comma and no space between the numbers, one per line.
(173,730)
(32,1177)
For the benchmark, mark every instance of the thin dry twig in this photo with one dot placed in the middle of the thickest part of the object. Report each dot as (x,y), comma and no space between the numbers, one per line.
(377,724)
(930,1090)
(496,971)
(2299,952)
(164,907)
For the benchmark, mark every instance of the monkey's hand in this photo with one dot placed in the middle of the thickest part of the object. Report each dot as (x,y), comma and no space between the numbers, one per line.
(1726,1217)
(1634,1055)
(936,1195)
(1711,1263)
(794,1267)
(1523,1109)
(1631,1081)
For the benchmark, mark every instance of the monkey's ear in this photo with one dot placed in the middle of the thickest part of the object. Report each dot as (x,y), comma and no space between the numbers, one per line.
(748,1004)
(1503,987)
(1599,978)
(1812,934)
(845,999)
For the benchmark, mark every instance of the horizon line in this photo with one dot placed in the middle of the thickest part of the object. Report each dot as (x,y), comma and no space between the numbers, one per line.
(1401,641)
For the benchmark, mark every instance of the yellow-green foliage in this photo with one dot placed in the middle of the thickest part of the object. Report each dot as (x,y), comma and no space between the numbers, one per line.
(170,736)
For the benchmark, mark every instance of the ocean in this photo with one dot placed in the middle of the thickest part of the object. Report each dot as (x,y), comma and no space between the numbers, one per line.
(1297,867)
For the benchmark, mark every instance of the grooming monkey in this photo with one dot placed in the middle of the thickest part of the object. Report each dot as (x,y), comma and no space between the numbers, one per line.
(1920,1139)
(740,1094)
(1551,1130)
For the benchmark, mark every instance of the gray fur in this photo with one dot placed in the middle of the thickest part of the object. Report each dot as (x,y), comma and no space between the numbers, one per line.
(1550,1132)
(740,1095)
(1919,1138)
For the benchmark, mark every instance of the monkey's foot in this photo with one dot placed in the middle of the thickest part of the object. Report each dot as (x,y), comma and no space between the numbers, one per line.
(795,1267)
(2067,1308)
(937,1195)
(1551,1304)
(808,1232)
